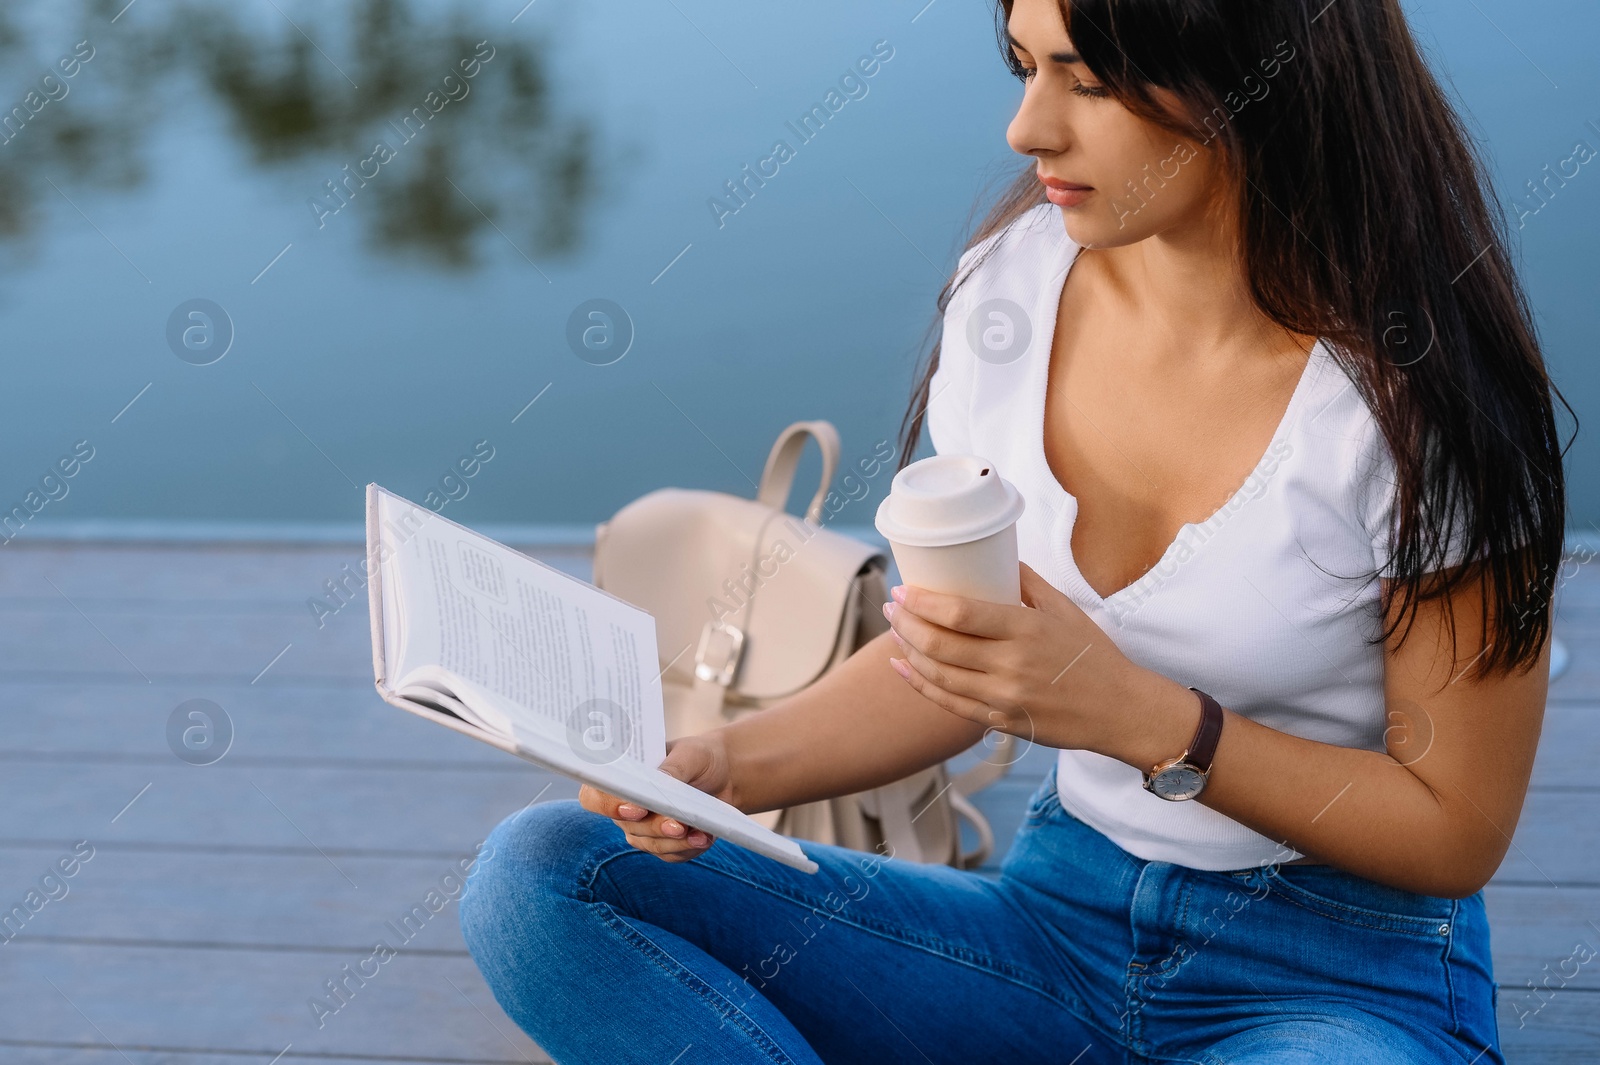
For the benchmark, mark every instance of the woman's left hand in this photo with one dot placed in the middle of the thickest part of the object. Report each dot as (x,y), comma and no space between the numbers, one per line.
(1042,671)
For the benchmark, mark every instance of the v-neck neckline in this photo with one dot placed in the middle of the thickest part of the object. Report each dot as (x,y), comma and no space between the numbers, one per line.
(1063,503)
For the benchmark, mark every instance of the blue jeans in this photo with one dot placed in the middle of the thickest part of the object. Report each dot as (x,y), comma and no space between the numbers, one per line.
(1079,953)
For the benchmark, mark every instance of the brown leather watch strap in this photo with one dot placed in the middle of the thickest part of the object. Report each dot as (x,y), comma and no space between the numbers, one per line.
(1204,746)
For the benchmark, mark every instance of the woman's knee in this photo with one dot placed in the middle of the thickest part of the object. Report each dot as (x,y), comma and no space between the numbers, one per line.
(1311,1042)
(533,860)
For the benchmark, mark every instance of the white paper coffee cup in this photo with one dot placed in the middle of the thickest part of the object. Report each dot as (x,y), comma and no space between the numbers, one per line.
(951,521)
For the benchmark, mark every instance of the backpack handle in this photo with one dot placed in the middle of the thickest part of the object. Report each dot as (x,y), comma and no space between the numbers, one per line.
(778,477)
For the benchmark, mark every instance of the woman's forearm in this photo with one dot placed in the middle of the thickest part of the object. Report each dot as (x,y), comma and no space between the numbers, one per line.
(857,727)
(1363,811)
(1360,810)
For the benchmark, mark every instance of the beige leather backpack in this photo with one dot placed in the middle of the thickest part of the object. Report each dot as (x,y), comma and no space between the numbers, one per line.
(752,604)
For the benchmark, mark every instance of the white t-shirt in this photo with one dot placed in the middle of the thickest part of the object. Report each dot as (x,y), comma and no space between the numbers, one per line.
(1267,605)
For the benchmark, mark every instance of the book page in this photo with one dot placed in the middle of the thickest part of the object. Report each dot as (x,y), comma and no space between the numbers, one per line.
(664,794)
(570,661)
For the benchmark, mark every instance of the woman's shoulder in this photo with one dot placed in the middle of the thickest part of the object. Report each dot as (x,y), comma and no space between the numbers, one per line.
(1336,427)
(988,320)
(1350,461)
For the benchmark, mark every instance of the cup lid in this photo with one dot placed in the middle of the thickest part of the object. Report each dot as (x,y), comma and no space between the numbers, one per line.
(948,499)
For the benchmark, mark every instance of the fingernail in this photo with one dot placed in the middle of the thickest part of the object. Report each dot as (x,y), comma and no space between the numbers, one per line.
(699,839)
(897,638)
(627,809)
(899,593)
(672,828)
(888,610)
(900,667)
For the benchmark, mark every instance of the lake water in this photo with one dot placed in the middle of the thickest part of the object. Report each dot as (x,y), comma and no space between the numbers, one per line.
(422,316)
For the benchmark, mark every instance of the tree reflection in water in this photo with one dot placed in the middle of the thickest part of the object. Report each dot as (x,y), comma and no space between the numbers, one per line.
(501,150)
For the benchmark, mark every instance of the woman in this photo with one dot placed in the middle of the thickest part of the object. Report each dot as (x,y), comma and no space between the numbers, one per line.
(1246,337)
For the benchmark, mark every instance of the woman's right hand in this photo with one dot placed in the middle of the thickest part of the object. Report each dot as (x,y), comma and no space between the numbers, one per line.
(700,761)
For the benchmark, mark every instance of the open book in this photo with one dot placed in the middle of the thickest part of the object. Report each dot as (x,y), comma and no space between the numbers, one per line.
(489,642)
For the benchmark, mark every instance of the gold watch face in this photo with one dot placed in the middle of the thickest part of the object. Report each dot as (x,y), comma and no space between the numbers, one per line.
(1177,782)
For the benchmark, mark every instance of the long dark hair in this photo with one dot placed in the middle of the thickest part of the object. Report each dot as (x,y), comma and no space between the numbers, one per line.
(1363,220)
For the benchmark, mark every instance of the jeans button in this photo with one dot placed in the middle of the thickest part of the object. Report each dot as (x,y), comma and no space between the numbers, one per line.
(1444,930)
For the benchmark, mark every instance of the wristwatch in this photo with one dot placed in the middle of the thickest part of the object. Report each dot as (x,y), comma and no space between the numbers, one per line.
(1184,777)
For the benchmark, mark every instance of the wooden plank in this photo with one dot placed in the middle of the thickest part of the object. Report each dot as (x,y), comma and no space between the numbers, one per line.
(1569,746)
(1578,625)
(331,808)
(1542,936)
(17,1052)
(1550,846)
(258,1002)
(135,648)
(345,725)
(1565,1032)
(1581,682)
(213,901)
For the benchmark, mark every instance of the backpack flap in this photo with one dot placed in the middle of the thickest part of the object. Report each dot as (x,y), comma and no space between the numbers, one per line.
(740,584)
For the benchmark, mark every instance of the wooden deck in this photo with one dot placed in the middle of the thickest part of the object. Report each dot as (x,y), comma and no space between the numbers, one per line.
(220,899)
